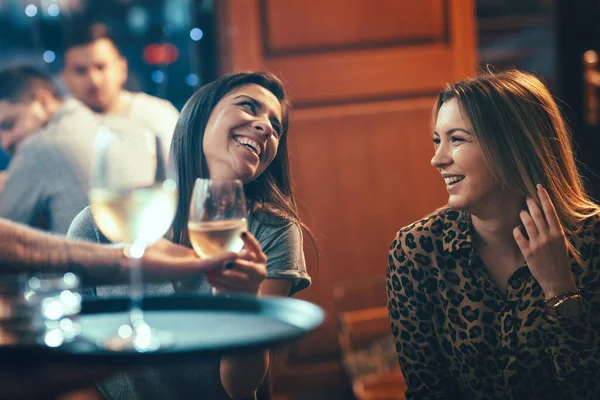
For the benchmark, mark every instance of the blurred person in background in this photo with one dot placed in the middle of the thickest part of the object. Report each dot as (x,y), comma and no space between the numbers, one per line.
(23,112)
(29,114)
(51,139)
(28,100)
(95,73)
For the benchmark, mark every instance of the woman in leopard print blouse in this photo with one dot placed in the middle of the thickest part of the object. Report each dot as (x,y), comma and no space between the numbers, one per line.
(497,295)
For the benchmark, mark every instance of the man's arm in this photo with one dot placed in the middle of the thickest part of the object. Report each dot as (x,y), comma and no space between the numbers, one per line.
(23,249)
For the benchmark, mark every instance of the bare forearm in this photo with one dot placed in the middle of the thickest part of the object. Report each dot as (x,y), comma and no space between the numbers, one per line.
(242,375)
(23,249)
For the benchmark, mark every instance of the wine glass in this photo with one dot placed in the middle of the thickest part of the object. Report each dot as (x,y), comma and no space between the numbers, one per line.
(217,217)
(133,199)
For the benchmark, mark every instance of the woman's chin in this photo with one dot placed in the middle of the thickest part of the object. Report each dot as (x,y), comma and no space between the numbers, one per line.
(245,174)
(457,203)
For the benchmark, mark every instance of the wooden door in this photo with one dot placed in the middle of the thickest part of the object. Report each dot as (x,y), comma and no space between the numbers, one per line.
(363,76)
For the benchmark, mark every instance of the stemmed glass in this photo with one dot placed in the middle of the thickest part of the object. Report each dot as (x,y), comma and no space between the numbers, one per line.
(217,217)
(133,199)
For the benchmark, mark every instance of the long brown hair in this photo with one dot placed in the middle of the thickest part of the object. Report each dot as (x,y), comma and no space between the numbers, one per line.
(270,192)
(525,141)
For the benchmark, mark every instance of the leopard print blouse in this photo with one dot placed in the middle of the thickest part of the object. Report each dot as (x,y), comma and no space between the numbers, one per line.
(457,337)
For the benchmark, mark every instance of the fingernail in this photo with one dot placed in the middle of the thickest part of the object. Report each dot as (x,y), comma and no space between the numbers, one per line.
(244,235)
(228,265)
(539,187)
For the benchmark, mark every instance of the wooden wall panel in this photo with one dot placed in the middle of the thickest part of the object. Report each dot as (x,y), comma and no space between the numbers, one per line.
(297,26)
(369,75)
(365,163)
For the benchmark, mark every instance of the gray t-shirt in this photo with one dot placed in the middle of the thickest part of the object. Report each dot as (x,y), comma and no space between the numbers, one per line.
(282,243)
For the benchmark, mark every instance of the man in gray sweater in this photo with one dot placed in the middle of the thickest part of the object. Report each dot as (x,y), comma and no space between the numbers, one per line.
(52,142)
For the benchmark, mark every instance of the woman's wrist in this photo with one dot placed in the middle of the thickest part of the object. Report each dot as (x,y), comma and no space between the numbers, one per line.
(554,289)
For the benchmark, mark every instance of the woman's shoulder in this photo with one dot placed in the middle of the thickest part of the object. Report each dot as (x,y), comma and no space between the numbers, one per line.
(586,238)
(444,229)
(268,215)
(265,222)
(590,227)
(282,242)
(83,227)
(274,231)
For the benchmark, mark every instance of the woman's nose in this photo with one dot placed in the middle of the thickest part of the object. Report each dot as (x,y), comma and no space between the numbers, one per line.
(263,127)
(440,157)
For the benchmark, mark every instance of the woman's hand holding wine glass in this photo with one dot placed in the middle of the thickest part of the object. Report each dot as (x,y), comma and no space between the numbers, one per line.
(217,224)
(243,274)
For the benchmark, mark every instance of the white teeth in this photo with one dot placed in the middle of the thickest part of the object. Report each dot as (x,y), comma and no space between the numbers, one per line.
(251,144)
(453,179)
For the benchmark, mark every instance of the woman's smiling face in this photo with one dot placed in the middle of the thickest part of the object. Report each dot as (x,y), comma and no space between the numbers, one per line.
(460,161)
(242,134)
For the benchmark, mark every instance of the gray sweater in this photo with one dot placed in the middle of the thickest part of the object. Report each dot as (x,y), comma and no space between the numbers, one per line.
(282,243)
(49,176)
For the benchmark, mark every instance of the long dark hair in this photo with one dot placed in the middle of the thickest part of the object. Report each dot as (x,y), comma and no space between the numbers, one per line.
(270,192)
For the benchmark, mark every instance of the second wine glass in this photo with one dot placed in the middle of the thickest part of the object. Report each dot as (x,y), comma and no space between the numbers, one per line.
(217,217)
(133,201)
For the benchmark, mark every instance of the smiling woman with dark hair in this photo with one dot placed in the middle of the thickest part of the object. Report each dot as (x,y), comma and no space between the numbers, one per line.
(233,128)
(267,182)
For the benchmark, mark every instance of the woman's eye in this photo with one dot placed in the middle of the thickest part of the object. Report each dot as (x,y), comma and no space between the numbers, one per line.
(249,106)
(436,140)
(277,132)
(456,139)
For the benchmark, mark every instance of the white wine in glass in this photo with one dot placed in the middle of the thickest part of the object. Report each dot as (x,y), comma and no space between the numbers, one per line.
(133,200)
(144,213)
(212,238)
(217,217)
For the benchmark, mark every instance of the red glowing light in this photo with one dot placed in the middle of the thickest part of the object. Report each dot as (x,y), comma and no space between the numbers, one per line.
(161,54)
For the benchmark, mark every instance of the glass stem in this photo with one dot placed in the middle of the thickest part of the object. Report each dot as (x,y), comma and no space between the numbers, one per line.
(134,253)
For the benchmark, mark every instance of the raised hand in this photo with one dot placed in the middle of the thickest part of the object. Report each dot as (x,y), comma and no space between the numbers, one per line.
(545,246)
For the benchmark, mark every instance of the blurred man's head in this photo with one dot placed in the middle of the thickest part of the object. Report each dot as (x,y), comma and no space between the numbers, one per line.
(28,100)
(94,70)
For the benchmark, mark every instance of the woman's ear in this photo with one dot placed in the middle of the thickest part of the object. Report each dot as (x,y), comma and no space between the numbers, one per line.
(124,69)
